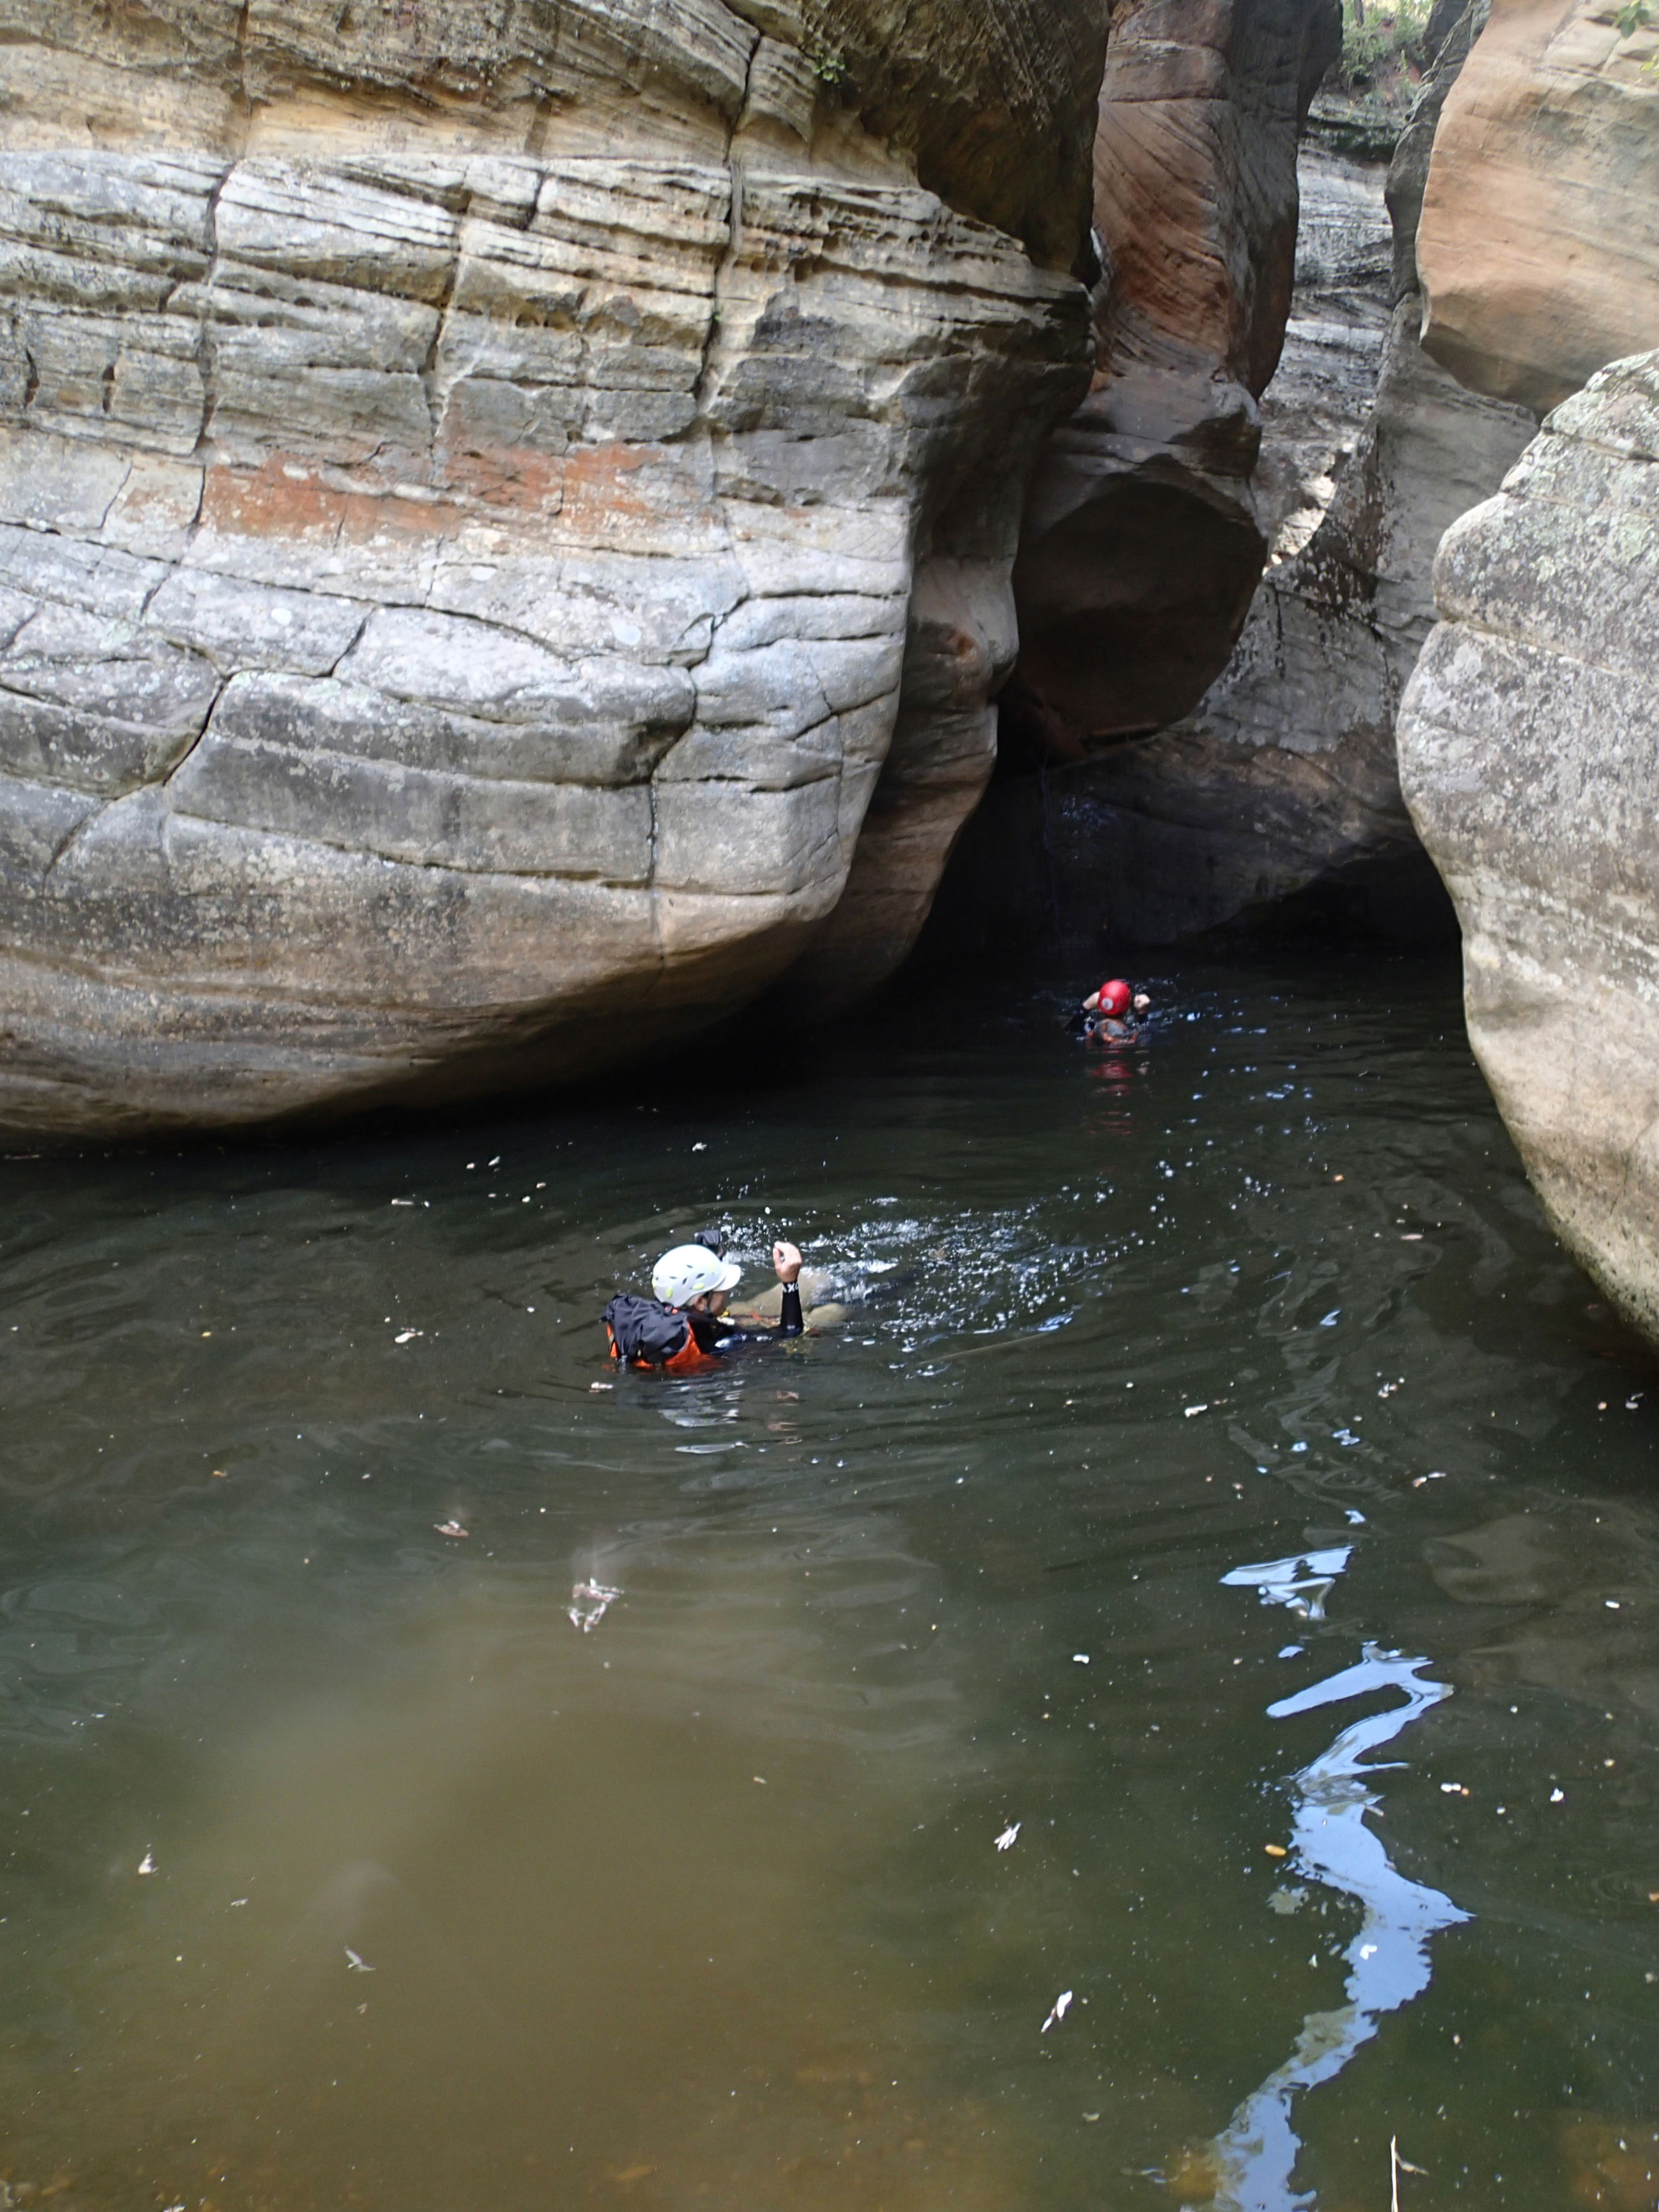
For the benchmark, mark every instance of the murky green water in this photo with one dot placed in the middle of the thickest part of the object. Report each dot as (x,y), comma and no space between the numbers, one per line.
(1215,1460)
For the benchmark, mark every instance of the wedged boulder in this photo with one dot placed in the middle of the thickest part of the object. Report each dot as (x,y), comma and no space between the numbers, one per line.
(1538,245)
(1142,542)
(1286,774)
(464,483)
(1529,757)
(1283,776)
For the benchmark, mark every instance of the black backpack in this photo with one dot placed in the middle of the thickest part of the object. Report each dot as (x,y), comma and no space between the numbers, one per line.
(643,1329)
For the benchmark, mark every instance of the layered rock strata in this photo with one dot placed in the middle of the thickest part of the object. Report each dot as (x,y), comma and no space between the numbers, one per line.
(1529,754)
(1538,245)
(464,480)
(1142,542)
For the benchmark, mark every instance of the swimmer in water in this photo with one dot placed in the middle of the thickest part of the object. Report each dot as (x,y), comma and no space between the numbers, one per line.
(679,1328)
(1112,1014)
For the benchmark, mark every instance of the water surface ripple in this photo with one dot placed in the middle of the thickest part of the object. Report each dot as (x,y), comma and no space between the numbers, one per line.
(1204,1420)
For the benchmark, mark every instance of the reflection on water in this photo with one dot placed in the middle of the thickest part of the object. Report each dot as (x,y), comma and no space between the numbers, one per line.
(1255,2156)
(1303,1582)
(913,1678)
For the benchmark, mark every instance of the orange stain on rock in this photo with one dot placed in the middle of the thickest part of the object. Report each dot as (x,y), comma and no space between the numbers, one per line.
(283,499)
(523,477)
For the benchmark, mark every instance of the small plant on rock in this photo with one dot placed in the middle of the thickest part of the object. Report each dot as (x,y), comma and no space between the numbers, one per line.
(827,63)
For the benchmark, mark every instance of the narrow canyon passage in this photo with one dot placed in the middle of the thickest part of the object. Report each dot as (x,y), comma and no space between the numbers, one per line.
(1221,1480)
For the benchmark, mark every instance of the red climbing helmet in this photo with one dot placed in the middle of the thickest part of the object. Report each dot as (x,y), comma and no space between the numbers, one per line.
(1115,999)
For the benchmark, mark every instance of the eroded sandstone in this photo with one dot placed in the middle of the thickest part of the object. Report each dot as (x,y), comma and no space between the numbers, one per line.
(1530,754)
(464,480)
(1284,776)
(1142,542)
(1539,244)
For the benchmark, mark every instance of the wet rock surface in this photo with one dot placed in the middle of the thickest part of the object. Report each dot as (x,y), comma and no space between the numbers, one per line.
(461,502)
(1528,754)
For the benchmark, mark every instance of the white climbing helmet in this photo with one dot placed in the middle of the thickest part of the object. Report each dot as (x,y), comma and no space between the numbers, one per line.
(688,1271)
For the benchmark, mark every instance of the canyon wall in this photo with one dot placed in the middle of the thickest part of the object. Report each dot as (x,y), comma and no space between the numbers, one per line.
(477,485)
(1284,776)
(1527,739)
(1529,751)
(1142,542)
(1540,237)
(1145,527)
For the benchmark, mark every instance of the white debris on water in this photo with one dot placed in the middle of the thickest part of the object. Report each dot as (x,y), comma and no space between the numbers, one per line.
(589,1603)
(1006,1841)
(1062,2003)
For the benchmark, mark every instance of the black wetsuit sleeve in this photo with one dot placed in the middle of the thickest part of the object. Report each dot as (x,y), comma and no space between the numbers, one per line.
(790,1323)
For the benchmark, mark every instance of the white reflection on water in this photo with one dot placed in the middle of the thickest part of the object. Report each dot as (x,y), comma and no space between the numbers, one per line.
(1253,2161)
(1303,1582)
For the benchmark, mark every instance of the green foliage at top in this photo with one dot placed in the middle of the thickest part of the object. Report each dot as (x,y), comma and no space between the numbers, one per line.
(1382,45)
(1638,16)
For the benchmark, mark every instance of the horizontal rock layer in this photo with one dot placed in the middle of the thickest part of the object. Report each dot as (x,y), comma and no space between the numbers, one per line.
(455,602)
(1529,754)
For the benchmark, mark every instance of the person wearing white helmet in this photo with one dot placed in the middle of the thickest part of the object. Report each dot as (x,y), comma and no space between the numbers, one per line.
(679,1329)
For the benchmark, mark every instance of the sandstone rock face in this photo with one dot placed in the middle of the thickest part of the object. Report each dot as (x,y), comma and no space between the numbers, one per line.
(1142,542)
(1284,776)
(1529,754)
(476,485)
(961,642)
(1314,411)
(1538,245)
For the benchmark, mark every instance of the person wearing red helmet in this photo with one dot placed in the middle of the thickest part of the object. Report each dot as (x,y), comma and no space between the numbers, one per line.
(1111,1014)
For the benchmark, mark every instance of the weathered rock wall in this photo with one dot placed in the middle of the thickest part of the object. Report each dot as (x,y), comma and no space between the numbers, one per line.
(1142,542)
(465,473)
(1530,754)
(1527,734)
(1284,776)
(1538,245)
